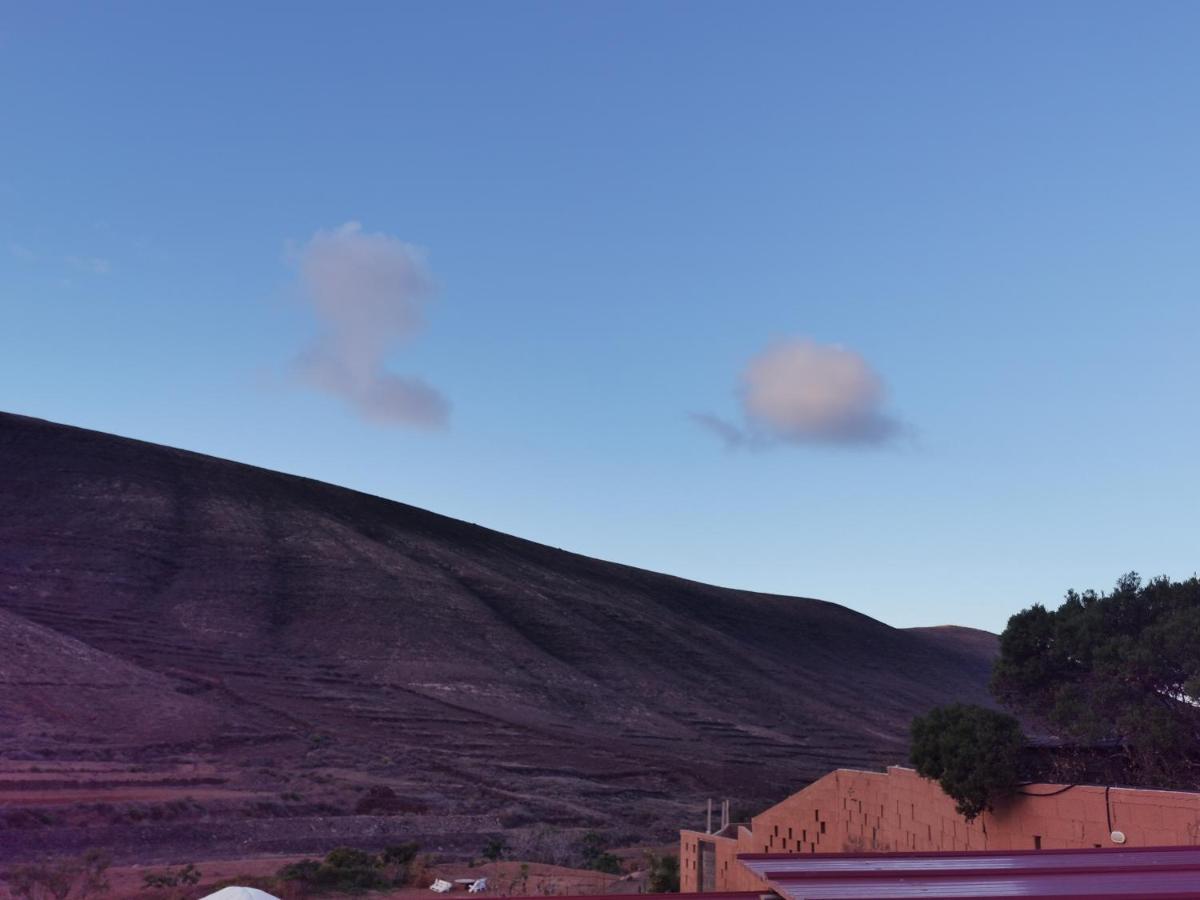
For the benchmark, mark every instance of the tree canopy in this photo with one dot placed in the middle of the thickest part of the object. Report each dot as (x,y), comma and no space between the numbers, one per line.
(1120,668)
(974,753)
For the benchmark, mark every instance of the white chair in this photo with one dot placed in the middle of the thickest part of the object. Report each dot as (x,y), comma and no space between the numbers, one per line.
(478,886)
(440,886)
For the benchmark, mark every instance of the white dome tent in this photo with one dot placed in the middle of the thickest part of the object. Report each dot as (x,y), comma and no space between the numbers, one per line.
(240,893)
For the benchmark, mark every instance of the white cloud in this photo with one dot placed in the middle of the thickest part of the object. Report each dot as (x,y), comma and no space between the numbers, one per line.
(801,392)
(369,292)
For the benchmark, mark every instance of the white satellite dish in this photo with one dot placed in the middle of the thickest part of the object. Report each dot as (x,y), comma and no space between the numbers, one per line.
(1118,837)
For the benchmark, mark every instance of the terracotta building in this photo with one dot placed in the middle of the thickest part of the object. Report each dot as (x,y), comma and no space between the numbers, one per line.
(850,811)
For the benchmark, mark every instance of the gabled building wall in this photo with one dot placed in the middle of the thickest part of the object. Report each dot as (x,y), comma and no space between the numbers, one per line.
(849,811)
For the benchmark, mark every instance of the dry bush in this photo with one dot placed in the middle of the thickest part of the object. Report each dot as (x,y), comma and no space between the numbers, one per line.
(420,872)
(544,844)
(64,880)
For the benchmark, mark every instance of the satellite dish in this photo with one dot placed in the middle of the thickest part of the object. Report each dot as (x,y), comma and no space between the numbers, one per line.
(1118,837)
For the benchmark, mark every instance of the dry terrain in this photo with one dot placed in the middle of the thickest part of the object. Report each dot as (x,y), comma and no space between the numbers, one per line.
(205,660)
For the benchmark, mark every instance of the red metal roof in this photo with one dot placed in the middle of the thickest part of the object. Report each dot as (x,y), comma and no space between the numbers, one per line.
(1115,873)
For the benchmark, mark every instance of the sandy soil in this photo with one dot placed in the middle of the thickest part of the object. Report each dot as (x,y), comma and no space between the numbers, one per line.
(505,879)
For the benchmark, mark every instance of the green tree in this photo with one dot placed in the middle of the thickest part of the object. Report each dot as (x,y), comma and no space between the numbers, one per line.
(591,847)
(400,862)
(664,873)
(974,753)
(343,869)
(495,849)
(1120,668)
(400,854)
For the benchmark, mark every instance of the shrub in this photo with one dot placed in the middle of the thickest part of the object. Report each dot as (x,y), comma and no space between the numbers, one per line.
(400,854)
(494,849)
(65,880)
(972,752)
(184,877)
(596,857)
(351,869)
(306,871)
(418,873)
(346,868)
(522,879)
(545,844)
(664,873)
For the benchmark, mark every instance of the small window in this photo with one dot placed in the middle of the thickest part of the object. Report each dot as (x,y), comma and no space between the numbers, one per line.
(1037,842)
(816,815)
(822,828)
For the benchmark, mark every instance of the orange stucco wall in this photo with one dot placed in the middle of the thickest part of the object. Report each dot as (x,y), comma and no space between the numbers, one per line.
(898,810)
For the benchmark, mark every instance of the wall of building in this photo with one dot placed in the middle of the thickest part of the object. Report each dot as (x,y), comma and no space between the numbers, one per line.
(897,810)
(730,876)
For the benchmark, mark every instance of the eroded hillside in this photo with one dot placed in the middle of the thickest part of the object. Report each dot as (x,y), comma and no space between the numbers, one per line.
(343,668)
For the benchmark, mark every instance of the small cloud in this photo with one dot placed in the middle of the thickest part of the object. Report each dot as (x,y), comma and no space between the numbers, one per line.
(20,251)
(727,432)
(801,392)
(369,292)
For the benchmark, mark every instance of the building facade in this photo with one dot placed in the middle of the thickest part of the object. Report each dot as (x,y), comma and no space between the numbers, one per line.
(851,811)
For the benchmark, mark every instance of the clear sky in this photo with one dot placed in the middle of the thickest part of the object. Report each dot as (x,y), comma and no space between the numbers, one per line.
(893,304)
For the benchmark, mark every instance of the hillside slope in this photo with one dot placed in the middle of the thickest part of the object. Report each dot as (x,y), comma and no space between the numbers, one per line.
(57,688)
(471,672)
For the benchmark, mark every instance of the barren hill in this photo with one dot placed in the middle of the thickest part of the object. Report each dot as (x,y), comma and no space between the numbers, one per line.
(343,668)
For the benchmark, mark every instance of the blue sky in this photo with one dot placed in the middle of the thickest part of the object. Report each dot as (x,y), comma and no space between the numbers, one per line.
(986,214)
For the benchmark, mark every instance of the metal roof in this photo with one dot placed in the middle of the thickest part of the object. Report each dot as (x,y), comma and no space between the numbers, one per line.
(707,895)
(1114,873)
